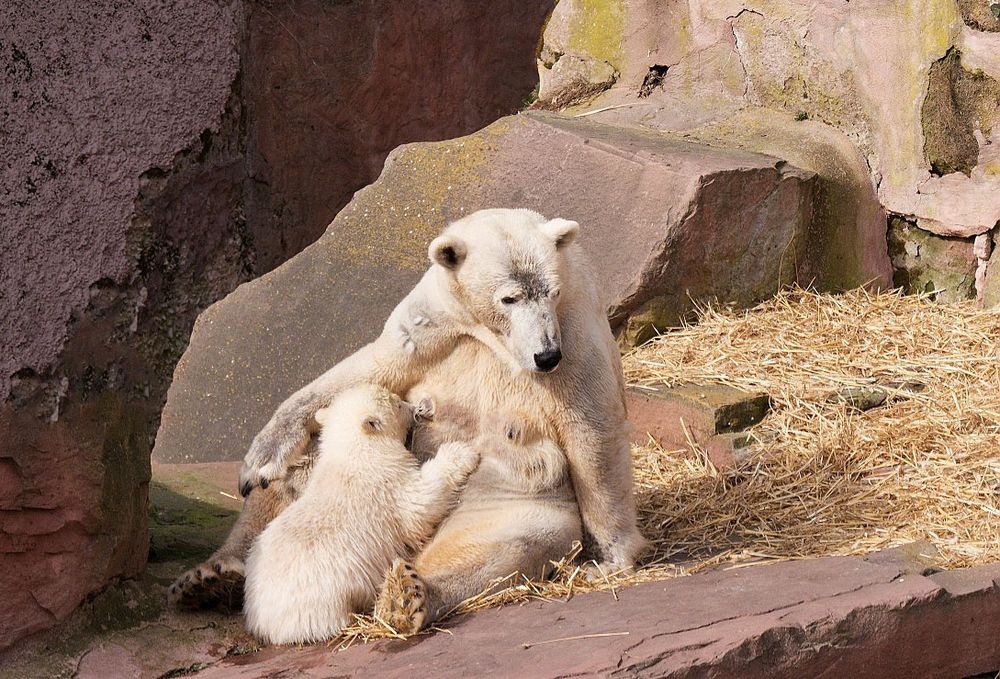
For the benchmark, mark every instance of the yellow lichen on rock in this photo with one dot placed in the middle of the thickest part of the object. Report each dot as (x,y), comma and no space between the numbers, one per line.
(391,221)
(597,29)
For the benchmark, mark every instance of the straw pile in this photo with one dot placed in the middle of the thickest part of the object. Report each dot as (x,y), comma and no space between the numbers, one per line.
(826,478)
(823,477)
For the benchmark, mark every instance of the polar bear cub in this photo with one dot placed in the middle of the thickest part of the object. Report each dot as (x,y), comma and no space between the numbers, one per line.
(367,502)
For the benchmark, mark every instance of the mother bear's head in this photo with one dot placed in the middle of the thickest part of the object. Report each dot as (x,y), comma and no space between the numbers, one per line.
(508,267)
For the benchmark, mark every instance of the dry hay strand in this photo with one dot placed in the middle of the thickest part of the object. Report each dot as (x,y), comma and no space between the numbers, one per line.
(822,478)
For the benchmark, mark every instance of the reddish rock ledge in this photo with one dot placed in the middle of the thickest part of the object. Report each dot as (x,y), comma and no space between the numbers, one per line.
(836,617)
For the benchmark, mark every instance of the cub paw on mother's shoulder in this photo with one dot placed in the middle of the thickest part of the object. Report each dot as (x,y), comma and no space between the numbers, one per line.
(216,583)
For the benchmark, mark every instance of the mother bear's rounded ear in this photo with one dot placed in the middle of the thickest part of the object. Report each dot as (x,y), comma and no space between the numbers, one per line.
(561,231)
(447,250)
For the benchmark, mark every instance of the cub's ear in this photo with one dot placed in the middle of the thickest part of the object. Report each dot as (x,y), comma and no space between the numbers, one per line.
(447,250)
(424,411)
(321,416)
(373,424)
(561,231)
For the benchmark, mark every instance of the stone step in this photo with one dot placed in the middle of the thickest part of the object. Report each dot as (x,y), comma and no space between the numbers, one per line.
(836,616)
(713,418)
(666,222)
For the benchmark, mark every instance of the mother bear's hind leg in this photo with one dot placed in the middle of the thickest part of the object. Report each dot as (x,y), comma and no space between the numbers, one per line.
(467,558)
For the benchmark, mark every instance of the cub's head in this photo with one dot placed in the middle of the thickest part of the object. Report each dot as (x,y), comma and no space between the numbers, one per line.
(367,410)
(507,267)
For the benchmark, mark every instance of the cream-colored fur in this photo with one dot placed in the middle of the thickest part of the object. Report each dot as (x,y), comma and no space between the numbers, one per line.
(367,502)
(518,512)
(505,287)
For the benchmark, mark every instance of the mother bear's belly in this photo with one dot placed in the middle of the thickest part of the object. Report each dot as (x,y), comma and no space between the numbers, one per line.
(474,393)
(507,417)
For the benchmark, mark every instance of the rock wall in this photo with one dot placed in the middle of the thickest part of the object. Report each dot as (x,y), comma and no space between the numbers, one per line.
(332,87)
(157,155)
(102,104)
(907,91)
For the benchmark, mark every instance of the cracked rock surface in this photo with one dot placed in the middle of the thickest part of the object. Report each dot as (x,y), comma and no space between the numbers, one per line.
(837,616)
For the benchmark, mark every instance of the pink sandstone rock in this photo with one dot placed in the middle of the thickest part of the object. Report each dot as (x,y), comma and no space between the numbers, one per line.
(333,87)
(723,64)
(94,96)
(714,418)
(838,616)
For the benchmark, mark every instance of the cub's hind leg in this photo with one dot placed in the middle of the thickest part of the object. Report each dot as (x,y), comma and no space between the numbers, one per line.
(401,603)
(429,497)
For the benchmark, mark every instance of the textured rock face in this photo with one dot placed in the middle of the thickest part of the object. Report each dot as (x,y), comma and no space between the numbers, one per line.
(913,111)
(157,155)
(332,87)
(668,222)
(926,263)
(101,99)
(69,192)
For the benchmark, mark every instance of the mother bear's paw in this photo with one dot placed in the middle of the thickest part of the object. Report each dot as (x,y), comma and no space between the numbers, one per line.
(216,583)
(402,603)
(604,572)
(619,557)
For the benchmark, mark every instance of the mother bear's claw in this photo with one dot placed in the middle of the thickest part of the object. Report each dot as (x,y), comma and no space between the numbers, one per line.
(401,603)
(248,483)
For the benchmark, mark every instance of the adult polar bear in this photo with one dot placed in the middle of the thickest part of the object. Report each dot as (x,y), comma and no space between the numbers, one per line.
(509,298)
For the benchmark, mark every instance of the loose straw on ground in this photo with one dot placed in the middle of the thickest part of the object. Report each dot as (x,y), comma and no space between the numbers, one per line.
(822,478)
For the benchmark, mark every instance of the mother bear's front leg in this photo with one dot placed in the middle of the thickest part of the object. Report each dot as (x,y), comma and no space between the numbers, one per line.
(476,547)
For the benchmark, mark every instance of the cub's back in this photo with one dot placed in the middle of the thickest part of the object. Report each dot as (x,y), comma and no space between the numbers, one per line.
(325,555)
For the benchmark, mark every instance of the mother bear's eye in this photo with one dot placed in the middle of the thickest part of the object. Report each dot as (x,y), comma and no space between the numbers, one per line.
(508,300)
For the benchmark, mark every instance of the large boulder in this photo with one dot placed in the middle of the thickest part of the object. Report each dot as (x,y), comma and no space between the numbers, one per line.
(667,223)
(157,155)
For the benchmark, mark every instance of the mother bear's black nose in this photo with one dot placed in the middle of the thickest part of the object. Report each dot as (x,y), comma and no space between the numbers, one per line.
(548,360)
